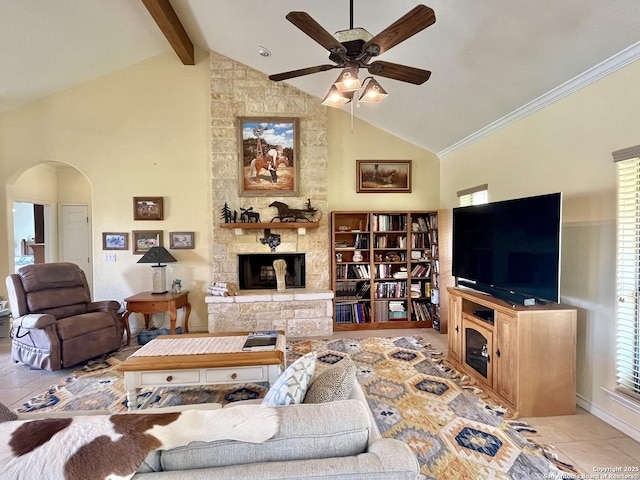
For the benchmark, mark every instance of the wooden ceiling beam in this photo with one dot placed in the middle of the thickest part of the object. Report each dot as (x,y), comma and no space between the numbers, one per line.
(169,23)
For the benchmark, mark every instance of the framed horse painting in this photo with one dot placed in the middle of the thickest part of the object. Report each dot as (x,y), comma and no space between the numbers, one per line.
(268,156)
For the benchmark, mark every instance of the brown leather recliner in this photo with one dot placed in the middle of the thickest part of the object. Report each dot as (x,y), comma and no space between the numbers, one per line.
(55,323)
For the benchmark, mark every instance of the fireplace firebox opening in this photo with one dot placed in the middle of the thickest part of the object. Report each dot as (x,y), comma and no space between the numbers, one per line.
(255,270)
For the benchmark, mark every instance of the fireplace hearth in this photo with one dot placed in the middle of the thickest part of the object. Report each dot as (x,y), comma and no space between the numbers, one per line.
(255,270)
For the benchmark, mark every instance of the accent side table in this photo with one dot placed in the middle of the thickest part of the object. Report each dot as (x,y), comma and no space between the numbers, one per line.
(148,303)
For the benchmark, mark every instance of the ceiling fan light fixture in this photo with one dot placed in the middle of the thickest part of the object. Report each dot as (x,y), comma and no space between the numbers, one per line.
(373,92)
(348,80)
(335,98)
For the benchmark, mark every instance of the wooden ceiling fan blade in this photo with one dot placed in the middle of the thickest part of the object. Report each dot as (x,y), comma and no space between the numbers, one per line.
(413,22)
(308,25)
(277,77)
(404,73)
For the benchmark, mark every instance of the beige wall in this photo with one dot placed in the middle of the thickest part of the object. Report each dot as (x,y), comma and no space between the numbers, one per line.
(73,186)
(567,147)
(366,142)
(141,131)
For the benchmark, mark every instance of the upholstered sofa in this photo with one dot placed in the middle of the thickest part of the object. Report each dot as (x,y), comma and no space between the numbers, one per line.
(56,324)
(324,441)
(314,441)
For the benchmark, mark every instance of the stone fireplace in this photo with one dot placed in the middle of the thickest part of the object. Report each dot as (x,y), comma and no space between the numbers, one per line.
(239,91)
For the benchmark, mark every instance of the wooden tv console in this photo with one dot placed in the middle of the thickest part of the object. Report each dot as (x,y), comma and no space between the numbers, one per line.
(523,357)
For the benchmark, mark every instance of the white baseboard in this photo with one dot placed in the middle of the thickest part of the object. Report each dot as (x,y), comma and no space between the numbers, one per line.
(605,416)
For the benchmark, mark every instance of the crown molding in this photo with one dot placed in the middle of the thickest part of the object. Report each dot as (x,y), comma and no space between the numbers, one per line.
(604,68)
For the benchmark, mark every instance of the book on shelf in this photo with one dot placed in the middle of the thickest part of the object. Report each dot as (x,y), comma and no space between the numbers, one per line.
(260,341)
(362,241)
(346,290)
(421,311)
(381,312)
(419,240)
(389,222)
(421,271)
(435,296)
(396,311)
(396,306)
(364,290)
(353,313)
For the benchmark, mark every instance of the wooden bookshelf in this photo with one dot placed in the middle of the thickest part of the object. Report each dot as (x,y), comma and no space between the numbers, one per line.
(385,269)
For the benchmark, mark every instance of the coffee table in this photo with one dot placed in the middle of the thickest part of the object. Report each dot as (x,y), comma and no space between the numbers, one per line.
(200,359)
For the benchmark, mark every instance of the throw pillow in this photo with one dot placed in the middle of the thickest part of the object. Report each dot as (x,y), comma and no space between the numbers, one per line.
(6,414)
(335,383)
(292,385)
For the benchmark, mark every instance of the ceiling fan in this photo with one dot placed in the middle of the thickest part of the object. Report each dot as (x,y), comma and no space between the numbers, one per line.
(354,48)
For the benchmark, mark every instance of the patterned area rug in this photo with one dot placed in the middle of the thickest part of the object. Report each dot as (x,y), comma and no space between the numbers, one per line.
(452,431)
(98,385)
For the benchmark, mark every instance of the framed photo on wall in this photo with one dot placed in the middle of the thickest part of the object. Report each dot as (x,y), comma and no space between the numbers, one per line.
(148,208)
(383,176)
(143,240)
(183,240)
(268,151)
(115,241)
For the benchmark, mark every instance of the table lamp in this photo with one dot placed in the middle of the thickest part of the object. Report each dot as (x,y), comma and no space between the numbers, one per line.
(158,255)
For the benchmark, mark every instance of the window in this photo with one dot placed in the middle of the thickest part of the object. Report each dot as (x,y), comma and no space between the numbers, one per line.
(473,196)
(628,272)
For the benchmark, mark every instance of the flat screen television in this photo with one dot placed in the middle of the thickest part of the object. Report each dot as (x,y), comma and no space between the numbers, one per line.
(510,249)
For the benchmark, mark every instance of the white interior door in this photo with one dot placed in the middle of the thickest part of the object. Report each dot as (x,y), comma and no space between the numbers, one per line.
(75,238)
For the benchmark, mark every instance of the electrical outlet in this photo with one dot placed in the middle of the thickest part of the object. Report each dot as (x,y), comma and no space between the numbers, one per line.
(109,257)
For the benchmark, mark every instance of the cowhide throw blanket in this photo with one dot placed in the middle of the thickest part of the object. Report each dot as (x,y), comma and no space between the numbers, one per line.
(113,446)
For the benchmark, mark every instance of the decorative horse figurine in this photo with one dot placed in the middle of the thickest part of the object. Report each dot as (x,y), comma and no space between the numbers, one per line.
(286,214)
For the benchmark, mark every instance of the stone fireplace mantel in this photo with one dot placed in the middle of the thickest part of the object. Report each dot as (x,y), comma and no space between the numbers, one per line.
(300,312)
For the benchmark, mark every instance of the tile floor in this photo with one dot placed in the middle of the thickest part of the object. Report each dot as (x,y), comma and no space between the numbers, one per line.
(582,439)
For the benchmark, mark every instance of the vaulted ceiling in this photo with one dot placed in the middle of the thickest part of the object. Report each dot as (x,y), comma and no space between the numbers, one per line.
(489,59)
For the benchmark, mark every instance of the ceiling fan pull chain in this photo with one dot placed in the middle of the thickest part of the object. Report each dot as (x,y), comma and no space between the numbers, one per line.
(351,118)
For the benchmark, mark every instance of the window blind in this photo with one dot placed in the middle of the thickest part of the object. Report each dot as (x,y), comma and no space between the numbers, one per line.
(628,276)
(473,196)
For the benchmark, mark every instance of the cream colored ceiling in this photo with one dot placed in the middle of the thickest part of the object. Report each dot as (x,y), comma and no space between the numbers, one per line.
(488,57)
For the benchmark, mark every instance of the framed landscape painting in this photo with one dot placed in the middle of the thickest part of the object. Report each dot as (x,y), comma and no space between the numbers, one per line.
(383,176)
(268,156)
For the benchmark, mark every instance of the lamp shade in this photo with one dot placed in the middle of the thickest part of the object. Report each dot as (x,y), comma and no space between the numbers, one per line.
(157,255)
(335,98)
(348,80)
(373,92)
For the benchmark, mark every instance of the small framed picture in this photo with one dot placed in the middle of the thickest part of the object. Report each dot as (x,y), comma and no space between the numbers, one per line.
(183,240)
(143,240)
(147,208)
(115,241)
(383,176)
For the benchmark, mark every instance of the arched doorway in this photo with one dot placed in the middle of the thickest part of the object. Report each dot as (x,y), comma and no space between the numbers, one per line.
(60,197)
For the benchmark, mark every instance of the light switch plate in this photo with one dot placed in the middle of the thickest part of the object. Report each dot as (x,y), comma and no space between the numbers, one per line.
(109,257)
